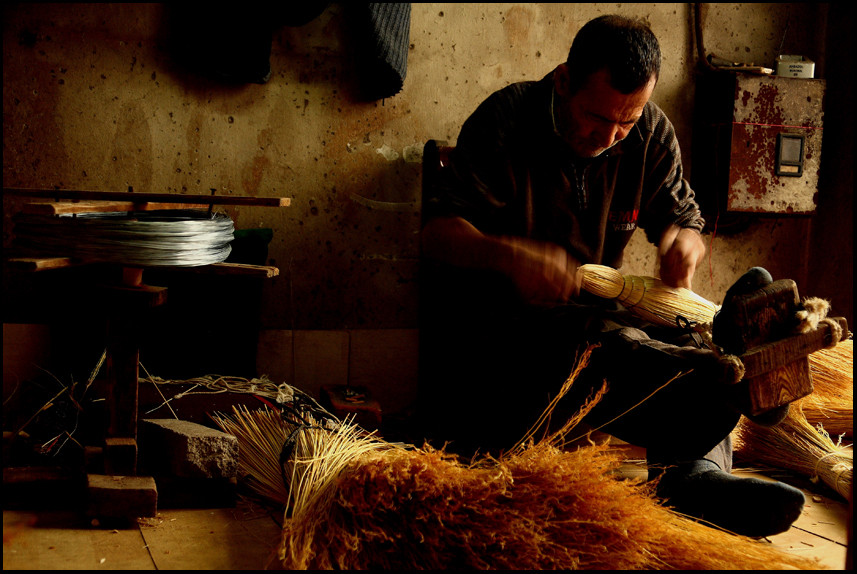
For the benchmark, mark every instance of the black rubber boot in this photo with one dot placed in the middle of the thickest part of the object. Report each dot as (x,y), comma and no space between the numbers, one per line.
(726,335)
(725,332)
(749,506)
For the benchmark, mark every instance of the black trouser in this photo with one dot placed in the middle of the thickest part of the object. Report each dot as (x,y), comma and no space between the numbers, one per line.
(487,376)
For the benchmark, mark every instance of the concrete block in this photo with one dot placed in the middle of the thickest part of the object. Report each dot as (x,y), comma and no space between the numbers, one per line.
(187,450)
(121,496)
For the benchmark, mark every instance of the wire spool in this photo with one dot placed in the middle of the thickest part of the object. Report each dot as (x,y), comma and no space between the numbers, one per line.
(175,238)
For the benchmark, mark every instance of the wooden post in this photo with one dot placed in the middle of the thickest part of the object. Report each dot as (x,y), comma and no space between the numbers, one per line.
(127,304)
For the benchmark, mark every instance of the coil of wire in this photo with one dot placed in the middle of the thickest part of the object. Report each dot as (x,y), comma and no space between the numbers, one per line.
(181,237)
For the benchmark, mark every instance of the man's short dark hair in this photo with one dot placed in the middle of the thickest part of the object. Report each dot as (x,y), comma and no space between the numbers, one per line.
(626,47)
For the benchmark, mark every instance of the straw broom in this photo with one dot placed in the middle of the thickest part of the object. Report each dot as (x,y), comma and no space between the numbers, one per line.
(831,403)
(797,445)
(647,297)
(261,435)
(317,455)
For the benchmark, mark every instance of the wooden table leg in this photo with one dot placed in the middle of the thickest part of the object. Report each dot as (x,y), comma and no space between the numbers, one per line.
(128,303)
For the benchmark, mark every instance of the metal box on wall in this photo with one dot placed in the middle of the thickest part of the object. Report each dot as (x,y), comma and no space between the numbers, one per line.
(757,143)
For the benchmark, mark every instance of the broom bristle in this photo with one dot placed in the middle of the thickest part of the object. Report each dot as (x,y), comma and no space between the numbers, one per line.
(831,403)
(797,445)
(601,280)
(648,297)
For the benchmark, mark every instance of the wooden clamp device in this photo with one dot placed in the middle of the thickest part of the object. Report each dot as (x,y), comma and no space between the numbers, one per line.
(776,360)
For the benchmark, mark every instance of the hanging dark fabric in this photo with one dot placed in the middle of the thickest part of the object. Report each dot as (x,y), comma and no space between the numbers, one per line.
(383,38)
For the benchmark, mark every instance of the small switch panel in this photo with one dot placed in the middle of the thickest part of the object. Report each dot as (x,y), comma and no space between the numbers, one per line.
(790,152)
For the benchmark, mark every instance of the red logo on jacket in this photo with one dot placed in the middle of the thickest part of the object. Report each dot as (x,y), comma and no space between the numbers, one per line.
(623,220)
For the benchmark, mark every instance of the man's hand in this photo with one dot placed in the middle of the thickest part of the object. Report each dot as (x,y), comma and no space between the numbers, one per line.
(681,250)
(543,272)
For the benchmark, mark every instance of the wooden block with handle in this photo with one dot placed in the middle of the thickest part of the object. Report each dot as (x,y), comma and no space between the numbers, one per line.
(777,373)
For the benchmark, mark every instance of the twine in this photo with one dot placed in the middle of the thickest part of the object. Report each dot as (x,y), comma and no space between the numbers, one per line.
(843,467)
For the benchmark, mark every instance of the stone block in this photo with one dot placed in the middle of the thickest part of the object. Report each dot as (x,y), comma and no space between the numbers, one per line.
(187,450)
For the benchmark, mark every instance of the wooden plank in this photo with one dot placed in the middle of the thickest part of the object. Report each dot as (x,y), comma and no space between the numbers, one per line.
(245,269)
(213,539)
(40,263)
(137,197)
(71,207)
(62,541)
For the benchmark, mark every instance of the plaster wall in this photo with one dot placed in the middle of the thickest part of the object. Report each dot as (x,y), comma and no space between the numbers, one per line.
(92,99)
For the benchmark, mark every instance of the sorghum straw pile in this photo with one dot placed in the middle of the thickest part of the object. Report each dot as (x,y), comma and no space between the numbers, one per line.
(356,502)
(541,508)
(832,402)
(797,445)
(647,297)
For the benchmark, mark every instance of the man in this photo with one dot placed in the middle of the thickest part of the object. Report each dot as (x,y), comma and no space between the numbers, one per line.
(546,176)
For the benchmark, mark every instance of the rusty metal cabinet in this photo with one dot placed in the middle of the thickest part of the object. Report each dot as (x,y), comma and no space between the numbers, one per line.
(757,143)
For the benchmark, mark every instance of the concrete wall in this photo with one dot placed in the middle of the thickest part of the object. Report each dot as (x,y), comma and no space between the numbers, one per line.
(94,99)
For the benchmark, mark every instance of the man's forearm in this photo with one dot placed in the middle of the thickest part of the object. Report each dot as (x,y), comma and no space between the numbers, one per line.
(680,251)
(455,241)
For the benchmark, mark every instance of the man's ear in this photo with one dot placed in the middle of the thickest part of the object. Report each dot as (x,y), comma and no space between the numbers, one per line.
(561,80)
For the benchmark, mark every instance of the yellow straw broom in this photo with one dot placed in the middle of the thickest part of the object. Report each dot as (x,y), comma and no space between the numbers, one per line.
(317,454)
(797,445)
(831,403)
(647,297)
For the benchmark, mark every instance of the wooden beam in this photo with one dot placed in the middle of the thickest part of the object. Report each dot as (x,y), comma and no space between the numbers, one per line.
(40,263)
(245,269)
(138,197)
(71,207)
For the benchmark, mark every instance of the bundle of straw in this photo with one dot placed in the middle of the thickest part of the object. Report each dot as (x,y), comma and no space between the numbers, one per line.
(797,445)
(541,508)
(831,403)
(647,297)
(354,501)
(317,454)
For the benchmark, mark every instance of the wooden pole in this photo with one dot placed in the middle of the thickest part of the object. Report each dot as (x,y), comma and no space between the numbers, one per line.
(138,197)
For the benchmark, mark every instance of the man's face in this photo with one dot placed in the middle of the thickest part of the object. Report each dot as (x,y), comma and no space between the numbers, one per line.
(598,116)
